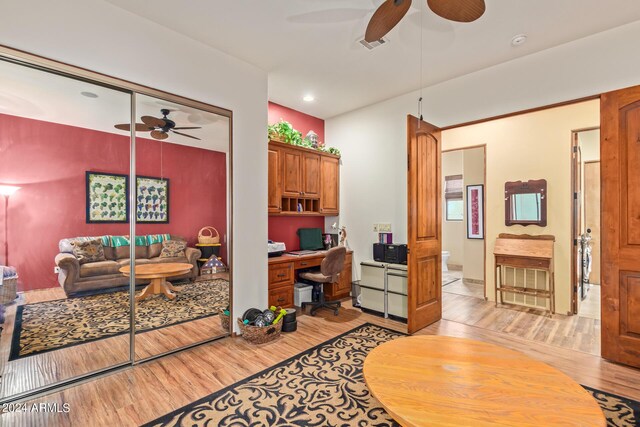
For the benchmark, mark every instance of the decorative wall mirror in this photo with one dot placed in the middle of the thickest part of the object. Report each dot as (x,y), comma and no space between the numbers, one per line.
(525,203)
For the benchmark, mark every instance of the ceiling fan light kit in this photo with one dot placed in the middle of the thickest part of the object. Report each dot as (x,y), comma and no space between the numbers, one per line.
(391,12)
(159,128)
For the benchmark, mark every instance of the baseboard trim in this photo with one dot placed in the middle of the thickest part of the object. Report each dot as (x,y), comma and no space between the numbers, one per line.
(474,281)
(454,267)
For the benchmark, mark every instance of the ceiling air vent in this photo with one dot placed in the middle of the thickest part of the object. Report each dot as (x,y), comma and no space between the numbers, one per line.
(373,44)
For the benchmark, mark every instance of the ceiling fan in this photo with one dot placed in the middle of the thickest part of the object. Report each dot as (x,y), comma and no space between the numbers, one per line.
(391,12)
(159,128)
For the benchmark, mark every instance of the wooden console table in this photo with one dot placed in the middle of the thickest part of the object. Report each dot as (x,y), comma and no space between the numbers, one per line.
(527,252)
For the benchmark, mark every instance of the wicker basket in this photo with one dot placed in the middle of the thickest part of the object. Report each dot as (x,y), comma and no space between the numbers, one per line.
(206,237)
(8,288)
(258,335)
(224,320)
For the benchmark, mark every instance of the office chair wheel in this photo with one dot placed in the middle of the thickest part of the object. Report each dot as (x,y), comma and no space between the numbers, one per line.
(335,312)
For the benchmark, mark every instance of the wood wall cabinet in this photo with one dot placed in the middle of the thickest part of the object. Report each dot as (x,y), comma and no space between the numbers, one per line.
(275,174)
(302,177)
(330,186)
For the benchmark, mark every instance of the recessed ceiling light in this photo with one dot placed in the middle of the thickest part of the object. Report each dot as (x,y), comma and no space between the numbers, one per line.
(518,40)
(309,98)
(89,94)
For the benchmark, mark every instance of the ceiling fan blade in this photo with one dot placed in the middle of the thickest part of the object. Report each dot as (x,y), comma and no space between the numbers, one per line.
(140,127)
(153,122)
(458,10)
(158,134)
(385,18)
(188,136)
(192,127)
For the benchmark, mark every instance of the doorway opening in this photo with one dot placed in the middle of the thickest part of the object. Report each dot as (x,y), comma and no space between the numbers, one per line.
(463,253)
(586,223)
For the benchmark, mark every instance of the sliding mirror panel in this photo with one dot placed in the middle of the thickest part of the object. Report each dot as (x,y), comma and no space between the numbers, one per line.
(64,304)
(181,211)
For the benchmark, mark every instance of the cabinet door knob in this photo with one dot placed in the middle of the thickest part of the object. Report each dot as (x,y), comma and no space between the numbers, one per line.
(280,299)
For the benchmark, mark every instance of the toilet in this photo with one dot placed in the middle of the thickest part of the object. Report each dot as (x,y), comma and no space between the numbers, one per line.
(445,258)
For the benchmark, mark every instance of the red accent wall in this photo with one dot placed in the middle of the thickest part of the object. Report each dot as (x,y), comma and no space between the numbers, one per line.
(284,228)
(49,162)
(300,121)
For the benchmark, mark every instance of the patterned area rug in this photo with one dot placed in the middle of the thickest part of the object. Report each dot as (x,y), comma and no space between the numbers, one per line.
(53,325)
(324,386)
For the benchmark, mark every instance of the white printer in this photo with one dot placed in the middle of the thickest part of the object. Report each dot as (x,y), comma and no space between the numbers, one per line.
(275,248)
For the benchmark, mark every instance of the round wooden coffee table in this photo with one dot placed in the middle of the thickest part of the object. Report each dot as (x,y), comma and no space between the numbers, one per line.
(446,381)
(158,273)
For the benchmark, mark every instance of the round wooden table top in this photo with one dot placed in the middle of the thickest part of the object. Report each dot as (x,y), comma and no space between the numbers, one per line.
(445,381)
(158,271)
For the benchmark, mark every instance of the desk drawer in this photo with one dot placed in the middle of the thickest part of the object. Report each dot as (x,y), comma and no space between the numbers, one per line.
(307,263)
(282,297)
(280,275)
(523,262)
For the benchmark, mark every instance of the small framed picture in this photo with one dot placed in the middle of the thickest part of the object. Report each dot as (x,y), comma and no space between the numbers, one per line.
(107,197)
(475,211)
(152,200)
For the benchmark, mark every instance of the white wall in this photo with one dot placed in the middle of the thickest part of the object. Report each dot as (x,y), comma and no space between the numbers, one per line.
(98,36)
(474,260)
(373,139)
(453,232)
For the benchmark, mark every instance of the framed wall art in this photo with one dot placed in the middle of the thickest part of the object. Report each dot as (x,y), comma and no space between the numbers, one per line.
(152,200)
(107,197)
(475,211)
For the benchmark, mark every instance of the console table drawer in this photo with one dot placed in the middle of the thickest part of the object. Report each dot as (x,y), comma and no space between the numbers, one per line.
(307,263)
(280,274)
(523,262)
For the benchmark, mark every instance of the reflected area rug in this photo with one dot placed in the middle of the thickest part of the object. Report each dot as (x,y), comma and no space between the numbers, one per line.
(324,386)
(52,325)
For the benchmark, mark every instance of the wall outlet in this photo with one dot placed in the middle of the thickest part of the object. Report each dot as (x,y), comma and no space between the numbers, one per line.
(382,228)
(56,270)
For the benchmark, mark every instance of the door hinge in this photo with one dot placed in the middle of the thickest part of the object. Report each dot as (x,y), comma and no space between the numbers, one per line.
(408,163)
(575,148)
(575,195)
(575,242)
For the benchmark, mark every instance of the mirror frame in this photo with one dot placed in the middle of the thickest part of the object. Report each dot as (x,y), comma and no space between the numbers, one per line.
(529,187)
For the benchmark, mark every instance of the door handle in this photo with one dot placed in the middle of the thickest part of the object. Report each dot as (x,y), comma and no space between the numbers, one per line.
(280,299)
(282,275)
(303,263)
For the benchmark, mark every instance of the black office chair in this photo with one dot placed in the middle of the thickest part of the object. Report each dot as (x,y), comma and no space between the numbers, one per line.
(329,272)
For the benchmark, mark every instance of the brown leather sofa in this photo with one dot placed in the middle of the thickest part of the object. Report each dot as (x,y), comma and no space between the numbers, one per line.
(75,278)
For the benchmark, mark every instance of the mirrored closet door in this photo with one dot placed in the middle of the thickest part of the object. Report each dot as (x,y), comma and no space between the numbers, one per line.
(181,206)
(64,180)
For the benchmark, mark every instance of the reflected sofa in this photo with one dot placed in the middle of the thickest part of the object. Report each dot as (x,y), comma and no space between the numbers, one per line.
(78,278)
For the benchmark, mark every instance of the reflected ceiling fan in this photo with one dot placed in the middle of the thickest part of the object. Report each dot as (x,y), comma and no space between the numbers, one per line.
(159,128)
(391,12)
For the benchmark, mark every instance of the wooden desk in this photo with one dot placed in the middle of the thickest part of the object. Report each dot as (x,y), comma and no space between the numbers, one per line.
(282,277)
(527,252)
(446,381)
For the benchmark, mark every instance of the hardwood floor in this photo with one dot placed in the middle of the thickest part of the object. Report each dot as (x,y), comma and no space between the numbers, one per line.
(590,307)
(571,332)
(144,392)
(39,370)
(459,286)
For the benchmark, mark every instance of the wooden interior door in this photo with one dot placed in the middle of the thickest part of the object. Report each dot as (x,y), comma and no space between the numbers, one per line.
(424,225)
(620,220)
(330,185)
(291,173)
(275,191)
(311,175)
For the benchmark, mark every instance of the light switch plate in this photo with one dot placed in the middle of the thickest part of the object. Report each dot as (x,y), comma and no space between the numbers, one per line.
(384,228)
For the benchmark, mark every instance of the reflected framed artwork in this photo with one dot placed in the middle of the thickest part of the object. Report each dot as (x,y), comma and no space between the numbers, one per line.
(475,211)
(107,197)
(152,200)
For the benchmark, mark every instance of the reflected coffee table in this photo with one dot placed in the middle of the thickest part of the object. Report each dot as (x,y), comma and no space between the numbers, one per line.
(158,274)
(446,381)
